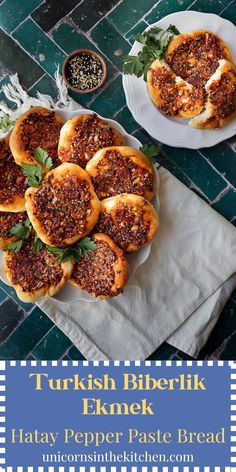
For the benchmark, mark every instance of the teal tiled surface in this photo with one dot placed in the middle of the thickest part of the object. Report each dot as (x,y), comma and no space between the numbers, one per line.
(33,42)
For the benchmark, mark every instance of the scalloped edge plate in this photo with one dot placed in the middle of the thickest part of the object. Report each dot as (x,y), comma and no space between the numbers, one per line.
(175,132)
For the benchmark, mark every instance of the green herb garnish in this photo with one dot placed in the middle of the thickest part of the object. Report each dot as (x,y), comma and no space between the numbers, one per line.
(6,124)
(34,172)
(14,247)
(37,244)
(150,152)
(76,252)
(155,42)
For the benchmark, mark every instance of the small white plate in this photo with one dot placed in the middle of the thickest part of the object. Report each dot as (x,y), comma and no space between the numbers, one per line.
(176,132)
(70,293)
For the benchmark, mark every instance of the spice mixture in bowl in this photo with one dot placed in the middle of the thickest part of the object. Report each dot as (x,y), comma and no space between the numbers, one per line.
(84,70)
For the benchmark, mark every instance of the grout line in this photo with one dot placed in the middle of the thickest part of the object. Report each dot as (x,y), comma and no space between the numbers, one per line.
(104,16)
(221,194)
(215,169)
(227,6)
(31,352)
(33,85)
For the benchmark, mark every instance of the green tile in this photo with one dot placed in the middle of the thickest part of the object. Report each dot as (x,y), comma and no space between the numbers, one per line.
(3,296)
(181,356)
(13,59)
(52,346)
(221,334)
(196,167)
(110,42)
(128,12)
(227,205)
(21,342)
(39,46)
(11,292)
(211,6)
(223,158)
(66,358)
(10,17)
(138,28)
(3,97)
(45,85)
(30,358)
(11,315)
(69,39)
(230,12)
(75,354)
(125,118)
(111,100)
(165,7)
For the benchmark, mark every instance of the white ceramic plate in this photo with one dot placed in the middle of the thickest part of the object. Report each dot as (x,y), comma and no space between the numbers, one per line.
(176,132)
(70,293)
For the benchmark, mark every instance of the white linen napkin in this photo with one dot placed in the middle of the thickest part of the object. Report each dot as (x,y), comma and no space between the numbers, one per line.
(177,294)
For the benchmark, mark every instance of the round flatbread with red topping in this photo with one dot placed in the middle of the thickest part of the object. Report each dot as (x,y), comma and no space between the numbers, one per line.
(194,56)
(7,221)
(64,208)
(13,184)
(38,127)
(84,135)
(171,94)
(104,272)
(130,220)
(35,275)
(121,169)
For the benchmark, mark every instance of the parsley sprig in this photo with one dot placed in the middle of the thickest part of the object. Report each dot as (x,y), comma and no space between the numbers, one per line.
(155,42)
(34,172)
(150,152)
(6,124)
(75,252)
(22,232)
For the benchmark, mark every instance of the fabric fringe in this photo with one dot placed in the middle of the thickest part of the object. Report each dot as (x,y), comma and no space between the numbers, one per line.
(16,94)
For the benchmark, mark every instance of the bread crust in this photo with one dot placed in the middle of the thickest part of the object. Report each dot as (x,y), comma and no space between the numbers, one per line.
(11,177)
(46,291)
(67,151)
(119,269)
(17,144)
(57,181)
(130,220)
(171,94)
(106,170)
(221,98)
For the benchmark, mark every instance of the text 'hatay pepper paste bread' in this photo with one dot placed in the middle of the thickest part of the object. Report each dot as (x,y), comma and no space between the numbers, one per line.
(221,98)
(171,94)
(194,56)
(13,184)
(35,275)
(121,169)
(38,127)
(84,135)
(104,272)
(130,220)
(7,221)
(64,208)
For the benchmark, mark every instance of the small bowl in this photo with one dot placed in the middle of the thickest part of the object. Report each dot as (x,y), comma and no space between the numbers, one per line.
(78,52)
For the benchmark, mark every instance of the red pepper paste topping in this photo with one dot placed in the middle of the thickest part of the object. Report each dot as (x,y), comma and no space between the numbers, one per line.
(62,208)
(12,181)
(8,220)
(196,59)
(33,271)
(90,136)
(223,96)
(118,174)
(126,225)
(41,130)
(95,273)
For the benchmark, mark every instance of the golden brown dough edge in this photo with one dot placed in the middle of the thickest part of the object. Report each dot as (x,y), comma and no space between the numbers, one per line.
(109,204)
(155,92)
(68,131)
(18,203)
(127,151)
(120,268)
(178,40)
(59,172)
(16,144)
(29,297)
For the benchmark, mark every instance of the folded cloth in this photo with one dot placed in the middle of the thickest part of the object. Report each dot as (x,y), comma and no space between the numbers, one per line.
(175,296)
